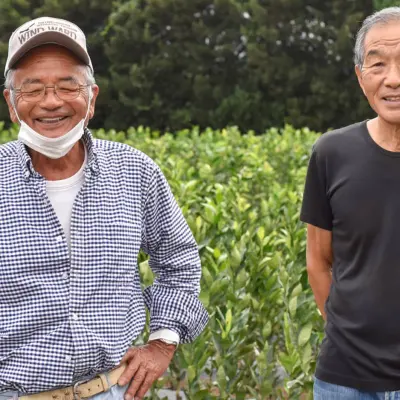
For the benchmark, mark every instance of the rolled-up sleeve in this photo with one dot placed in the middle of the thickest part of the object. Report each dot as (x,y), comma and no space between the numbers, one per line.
(174,258)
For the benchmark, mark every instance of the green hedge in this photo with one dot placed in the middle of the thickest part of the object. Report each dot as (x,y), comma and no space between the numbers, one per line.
(241,195)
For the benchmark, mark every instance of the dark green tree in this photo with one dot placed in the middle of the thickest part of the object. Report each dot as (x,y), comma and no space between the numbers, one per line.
(176,63)
(300,58)
(255,63)
(170,64)
(379,4)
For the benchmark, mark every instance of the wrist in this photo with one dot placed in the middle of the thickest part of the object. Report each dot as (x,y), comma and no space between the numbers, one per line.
(164,344)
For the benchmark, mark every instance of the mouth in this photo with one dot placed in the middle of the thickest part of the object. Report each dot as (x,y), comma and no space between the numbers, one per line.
(51,121)
(392,99)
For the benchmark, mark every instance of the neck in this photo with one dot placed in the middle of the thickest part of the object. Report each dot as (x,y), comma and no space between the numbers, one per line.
(385,134)
(61,168)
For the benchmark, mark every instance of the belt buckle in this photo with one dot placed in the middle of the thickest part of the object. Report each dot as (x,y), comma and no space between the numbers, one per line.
(75,387)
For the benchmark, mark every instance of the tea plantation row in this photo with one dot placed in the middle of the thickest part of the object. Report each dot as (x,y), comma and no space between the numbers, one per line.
(241,195)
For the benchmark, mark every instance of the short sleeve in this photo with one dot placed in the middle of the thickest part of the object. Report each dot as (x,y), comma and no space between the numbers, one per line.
(316,209)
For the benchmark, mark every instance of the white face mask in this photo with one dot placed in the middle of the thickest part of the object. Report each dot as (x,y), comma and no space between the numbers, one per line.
(52,147)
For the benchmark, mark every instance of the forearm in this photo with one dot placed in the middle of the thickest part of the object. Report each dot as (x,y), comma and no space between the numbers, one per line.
(180,269)
(320,282)
(176,310)
(173,299)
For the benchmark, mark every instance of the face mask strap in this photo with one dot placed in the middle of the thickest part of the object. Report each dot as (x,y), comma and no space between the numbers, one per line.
(89,102)
(13,104)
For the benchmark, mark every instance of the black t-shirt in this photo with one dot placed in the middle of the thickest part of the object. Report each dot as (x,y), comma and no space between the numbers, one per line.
(353,190)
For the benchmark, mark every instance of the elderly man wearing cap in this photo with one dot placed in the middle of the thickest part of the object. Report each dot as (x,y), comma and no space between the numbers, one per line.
(74,213)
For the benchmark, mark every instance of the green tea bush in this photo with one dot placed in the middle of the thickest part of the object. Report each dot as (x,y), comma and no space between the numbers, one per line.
(241,195)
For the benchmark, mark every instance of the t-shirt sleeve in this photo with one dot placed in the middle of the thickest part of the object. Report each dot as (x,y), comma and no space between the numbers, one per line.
(316,209)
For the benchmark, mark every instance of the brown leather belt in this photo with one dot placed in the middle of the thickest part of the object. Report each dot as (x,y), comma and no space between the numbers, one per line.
(81,389)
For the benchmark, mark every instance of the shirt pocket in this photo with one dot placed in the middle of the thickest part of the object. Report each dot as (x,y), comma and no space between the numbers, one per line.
(114,246)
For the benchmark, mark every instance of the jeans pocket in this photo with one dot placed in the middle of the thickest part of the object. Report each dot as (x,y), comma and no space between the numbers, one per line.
(330,391)
(115,392)
(10,395)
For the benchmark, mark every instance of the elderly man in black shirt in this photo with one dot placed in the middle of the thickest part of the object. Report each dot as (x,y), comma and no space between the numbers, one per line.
(352,209)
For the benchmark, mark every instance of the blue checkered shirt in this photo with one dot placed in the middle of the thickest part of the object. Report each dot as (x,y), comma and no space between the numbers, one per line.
(66,317)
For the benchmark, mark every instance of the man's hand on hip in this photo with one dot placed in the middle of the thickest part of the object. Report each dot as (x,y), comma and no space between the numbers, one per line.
(145,365)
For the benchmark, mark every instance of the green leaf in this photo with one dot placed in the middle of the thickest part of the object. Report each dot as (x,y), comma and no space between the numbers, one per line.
(236,257)
(199,223)
(221,377)
(228,319)
(293,306)
(207,276)
(191,373)
(261,233)
(267,330)
(283,275)
(306,357)
(305,334)
(297,290)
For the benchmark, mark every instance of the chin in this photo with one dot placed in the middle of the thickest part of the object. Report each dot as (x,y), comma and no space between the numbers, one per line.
(54,134)
(392,118)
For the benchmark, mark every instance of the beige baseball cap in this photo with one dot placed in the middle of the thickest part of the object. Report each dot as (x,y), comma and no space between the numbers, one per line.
(46,30)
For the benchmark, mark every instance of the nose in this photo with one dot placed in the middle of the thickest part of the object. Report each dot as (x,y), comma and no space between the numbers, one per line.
(392,79)
(50,100)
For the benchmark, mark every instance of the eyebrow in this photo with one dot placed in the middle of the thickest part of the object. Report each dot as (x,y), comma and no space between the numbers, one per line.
(36,80)
(374,52)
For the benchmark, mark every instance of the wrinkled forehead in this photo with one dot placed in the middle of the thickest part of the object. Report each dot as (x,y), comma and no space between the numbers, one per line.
(49,52)
(49,62)
(383,39)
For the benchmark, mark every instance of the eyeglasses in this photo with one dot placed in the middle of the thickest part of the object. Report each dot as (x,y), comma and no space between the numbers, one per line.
(34,92)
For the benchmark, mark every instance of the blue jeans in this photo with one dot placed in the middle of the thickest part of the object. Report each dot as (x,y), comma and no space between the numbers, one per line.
(329,391)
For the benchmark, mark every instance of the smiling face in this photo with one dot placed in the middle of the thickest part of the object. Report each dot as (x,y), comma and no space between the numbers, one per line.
(51,116)
(379,77)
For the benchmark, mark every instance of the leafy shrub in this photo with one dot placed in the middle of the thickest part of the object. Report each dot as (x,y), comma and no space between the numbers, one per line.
(241,195)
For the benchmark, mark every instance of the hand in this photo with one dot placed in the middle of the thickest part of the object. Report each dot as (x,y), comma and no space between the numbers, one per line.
(145,365)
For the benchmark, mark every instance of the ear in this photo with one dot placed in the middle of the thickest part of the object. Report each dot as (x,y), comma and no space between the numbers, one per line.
(360,78)
(7,95)
(95,92)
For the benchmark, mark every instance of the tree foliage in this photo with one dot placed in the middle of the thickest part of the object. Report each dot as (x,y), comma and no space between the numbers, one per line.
(379,4)
(171,64)
(300,59)
(240,194)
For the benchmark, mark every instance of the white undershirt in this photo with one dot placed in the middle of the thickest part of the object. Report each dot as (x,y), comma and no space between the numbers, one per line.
(62,194)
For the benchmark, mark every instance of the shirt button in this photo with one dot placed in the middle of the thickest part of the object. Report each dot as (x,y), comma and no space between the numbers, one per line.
(64,275)
(27,174)
(68,358)
(59,238)
(75,317)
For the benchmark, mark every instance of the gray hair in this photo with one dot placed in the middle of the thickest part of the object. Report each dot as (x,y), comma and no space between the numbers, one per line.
(87,73)
(380,17)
